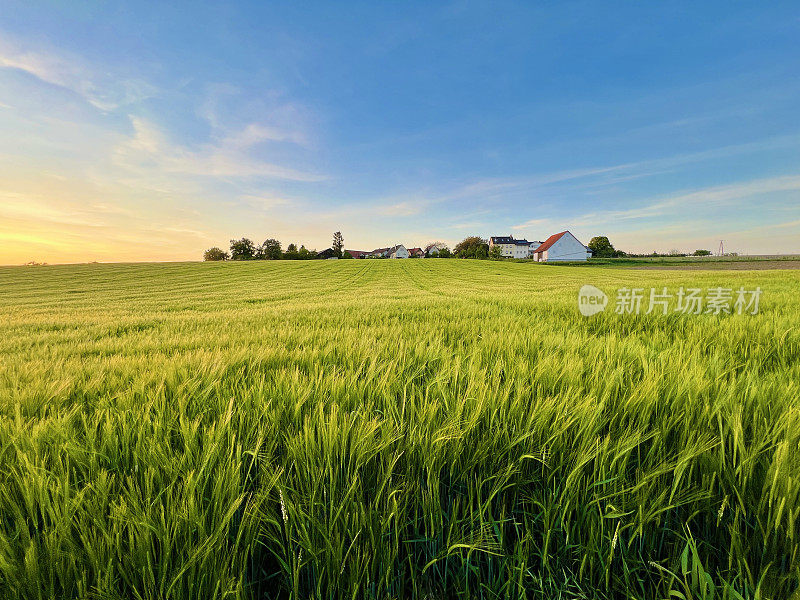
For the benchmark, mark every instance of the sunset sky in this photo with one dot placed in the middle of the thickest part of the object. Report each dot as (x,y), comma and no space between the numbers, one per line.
(151,131)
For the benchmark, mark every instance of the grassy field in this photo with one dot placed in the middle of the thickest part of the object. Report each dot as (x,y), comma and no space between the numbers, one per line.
(393,429)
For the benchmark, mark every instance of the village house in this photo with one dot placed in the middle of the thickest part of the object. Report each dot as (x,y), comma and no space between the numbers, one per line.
(433,249)
(398,251)
(561,247)
(511,248)
(416,253)
(357,253)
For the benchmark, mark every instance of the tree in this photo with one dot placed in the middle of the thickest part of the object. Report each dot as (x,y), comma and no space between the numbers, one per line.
(215,254)
(291,252)
(601,247)
(306,254)
(338,243)
(444,252)
(243,249)
(495,253)
(346,254)
(472,247)
(702,252)
(270,250)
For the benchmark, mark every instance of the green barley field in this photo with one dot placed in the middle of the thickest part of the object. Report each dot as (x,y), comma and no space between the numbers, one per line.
(421,429)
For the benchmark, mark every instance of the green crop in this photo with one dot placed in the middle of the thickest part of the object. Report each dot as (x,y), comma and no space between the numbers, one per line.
(393,429)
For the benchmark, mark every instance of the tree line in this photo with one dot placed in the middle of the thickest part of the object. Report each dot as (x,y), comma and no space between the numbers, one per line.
(271,249)
(602,248)
(470,247)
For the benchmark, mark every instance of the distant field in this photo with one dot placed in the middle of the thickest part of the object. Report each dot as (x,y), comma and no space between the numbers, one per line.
(755,262)
(750,265)
(393,429)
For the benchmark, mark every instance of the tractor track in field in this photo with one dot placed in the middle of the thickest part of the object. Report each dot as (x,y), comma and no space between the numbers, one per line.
(350,282)
(419,285)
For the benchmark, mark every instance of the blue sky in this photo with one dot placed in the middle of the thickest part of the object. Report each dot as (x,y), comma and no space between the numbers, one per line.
(150,132)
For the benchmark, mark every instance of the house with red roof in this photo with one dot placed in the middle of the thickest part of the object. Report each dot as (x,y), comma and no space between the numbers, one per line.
(561,247)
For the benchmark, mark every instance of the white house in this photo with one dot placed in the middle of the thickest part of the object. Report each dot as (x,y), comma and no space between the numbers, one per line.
(561,247)
(434,248)
(398,251)
(511,248)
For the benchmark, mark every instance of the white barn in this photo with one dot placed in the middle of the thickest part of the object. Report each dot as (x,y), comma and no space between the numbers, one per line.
(561,247)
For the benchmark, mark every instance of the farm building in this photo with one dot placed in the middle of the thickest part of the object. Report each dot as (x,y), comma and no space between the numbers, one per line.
(357,253)
(561,247)
(511,248)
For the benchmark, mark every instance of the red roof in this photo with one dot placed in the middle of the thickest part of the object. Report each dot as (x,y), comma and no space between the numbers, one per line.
(549,242)
(357,253)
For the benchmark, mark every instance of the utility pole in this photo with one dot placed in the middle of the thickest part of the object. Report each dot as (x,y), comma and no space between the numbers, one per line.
(721,249)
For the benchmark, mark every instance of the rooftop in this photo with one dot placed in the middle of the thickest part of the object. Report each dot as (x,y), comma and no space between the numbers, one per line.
(550,241)
(509,239)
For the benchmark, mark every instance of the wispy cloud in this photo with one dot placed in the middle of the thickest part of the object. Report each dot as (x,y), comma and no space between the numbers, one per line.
(612,175)
(17,205)
(531,223)
(709,197)
(101,88)
(402,209)
(468,225)
(258,133)
(149,148)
